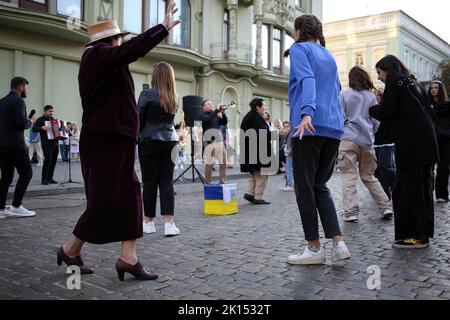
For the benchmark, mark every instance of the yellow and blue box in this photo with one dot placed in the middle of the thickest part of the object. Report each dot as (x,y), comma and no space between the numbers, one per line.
(221,199)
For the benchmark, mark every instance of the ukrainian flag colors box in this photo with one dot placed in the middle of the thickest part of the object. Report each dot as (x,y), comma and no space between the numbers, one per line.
(221,199)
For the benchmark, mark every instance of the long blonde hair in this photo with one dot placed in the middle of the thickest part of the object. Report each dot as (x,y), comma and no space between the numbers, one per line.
(163,79)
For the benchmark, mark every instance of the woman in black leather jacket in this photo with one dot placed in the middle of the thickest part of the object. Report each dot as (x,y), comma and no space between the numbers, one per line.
(158,141)
(405,107)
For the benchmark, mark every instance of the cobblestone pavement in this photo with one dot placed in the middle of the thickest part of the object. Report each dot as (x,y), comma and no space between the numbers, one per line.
(62,176)
(233,257)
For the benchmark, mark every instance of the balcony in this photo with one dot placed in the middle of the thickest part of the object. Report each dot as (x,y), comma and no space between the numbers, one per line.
(245,53)
(41,23)
(364,24)
(242,64)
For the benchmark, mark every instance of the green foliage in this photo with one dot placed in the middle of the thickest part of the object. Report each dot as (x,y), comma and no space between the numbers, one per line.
(444,73)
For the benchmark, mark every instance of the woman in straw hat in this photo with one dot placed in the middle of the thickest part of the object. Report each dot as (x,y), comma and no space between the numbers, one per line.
(108,142)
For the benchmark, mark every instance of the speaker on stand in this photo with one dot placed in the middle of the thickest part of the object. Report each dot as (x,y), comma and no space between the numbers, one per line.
(193,111)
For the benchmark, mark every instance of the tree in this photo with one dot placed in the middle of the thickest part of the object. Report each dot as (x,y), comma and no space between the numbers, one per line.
(444,73)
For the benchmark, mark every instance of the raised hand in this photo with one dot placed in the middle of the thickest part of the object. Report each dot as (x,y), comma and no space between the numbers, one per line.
(168,22)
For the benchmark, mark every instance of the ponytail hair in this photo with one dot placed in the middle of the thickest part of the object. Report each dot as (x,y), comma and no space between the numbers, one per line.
(310,27)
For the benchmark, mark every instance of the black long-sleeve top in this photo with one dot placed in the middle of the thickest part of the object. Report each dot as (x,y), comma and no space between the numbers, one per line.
(13,122)
(37,127)
(210,120)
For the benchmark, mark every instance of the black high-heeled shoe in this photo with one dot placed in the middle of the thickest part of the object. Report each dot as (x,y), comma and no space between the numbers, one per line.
(61,257)
(137,271)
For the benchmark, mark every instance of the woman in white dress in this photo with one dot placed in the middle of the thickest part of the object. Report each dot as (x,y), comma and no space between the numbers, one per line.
(75,143)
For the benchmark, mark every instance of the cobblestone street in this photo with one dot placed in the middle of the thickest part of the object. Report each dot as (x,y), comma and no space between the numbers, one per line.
(234,257)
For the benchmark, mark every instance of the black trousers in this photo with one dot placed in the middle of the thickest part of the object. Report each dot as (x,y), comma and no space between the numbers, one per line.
(413,203)
(157,167)
(385,172)
(443,171)
(50,158)
(313,162)
(10,159)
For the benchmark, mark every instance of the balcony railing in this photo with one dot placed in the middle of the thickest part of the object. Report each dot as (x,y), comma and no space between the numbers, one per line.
(364,24)
(244,53)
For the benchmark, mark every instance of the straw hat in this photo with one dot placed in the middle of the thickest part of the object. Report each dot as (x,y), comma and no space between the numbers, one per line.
(104,30)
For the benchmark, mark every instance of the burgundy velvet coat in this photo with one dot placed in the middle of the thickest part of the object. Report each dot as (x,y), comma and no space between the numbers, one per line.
(108,140)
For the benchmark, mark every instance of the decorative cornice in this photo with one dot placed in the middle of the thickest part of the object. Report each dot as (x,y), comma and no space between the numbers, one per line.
(281,9)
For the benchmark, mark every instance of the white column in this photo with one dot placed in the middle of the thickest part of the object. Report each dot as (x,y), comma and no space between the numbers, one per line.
(18,63)
(232,8)
(258,19)
(48,80)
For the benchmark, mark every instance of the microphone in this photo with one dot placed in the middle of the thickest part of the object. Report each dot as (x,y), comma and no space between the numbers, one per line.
(32,113)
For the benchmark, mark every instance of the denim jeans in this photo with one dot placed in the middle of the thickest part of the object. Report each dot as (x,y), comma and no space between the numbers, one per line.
(385,172)
(289,172)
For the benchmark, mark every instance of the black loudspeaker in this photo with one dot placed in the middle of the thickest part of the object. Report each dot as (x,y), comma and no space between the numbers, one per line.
(192,108)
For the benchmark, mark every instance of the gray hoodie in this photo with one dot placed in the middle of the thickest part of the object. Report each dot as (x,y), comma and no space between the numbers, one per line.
(359,127)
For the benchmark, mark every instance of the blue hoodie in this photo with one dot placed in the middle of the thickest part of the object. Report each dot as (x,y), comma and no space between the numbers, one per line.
(314,89)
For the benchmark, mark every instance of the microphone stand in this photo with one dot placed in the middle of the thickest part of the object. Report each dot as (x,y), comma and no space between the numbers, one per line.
(191,166)
(70,181)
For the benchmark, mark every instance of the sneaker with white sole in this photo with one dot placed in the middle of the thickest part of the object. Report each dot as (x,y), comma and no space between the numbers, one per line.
(3,214)
(340,252)
(440,200)
(308,257)
(149,227)
(19,212)
(388,214)
(352,217)
(171,230)
(288,189)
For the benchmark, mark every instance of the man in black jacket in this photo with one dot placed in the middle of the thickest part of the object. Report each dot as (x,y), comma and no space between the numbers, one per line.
(50,147)
(213,139)
(251,155)
(13,151)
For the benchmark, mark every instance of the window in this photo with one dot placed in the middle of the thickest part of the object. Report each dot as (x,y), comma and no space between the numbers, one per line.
(180,34)
(378,54)
(359,59)
(70,8)
(226,31)
(35,5)
(132,16)
(274,42)
(302,4)
(288,42)
(156,9)
(265,46)
(276,50)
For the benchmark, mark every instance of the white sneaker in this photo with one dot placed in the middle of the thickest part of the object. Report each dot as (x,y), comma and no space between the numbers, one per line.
(350,217)
(3,214)
(287,189)
(20,212)
(149,227)
(388,214)
(308,257)
(171,230)
(340,252)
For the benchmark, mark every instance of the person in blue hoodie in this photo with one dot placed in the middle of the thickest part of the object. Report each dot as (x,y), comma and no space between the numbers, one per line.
(318,125)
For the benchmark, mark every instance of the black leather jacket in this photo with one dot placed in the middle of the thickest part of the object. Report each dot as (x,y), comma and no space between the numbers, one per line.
(155,123)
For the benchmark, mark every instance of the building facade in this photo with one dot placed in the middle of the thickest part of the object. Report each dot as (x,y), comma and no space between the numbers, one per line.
(365,40)
(224,50)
